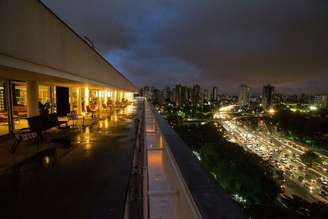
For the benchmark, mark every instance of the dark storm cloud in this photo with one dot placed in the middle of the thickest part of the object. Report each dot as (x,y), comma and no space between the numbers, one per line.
(106,23)
(211,42)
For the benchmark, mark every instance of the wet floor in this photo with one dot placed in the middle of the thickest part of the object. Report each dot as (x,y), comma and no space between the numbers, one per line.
(87,180)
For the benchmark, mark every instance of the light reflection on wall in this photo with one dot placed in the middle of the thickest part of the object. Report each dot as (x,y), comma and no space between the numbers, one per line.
(155,158)
(86,97)
(161,141)
(150,128)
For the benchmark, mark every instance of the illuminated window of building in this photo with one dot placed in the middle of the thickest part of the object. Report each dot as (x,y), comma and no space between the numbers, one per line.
(74,99)
(44,94)
(20,105)
(3,110)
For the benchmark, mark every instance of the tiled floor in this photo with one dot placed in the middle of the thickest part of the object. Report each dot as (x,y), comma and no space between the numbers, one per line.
(89,181)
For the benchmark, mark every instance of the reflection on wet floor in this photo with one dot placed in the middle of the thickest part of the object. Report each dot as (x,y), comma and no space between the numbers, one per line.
(81,175)
(85,137)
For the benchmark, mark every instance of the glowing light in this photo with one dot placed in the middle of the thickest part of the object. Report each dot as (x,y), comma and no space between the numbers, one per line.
(197,155)
(161,142)
(227,108)
(293,110)
(272,111)
(86,97)
(46,160)
(313,108)
(155,158)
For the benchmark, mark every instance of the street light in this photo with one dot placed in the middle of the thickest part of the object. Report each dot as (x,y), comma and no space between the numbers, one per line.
(313,108)
(272,111)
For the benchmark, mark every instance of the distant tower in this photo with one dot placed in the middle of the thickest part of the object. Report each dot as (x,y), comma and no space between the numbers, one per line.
(205,96)
(267,96)
(178,94)
(321,101)
(215,94)
(173,95)
(244,96)
(167,93)
(196,94)
(181,95)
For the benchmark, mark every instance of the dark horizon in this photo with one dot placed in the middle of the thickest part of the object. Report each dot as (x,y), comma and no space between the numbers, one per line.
(223,44)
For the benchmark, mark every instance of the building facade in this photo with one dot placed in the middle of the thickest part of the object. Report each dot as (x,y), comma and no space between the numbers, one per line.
(267,96)
(215,94)
(244,96)
(50,67)
(196,95)
(321,101)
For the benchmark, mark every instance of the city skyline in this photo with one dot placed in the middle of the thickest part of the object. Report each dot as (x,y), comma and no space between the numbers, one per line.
(285,48)
(258,91)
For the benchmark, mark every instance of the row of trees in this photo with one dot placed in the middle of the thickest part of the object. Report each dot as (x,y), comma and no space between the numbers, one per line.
(237,171)
(311,129)
(247,175)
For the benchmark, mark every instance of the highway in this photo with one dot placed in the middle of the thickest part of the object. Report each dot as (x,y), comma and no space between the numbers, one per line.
(282,154)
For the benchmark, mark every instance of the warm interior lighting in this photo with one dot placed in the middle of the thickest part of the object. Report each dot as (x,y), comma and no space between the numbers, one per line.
(155,158)
(86,97)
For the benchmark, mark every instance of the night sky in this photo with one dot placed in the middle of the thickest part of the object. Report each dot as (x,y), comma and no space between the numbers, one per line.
(210,42)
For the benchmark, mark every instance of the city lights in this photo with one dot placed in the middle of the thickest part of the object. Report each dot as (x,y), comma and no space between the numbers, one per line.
(313,108)
(272,111)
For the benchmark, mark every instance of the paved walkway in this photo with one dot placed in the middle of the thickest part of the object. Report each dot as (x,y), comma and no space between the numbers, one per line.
(87,181)
(27,149)
(162,195)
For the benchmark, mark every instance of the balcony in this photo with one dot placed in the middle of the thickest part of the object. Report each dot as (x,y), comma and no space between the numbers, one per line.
(177,185)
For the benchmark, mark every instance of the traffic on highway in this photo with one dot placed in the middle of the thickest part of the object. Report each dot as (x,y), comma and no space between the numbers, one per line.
(284,155)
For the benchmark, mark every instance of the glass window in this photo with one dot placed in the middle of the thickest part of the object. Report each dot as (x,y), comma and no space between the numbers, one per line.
(3,110)
(19,105)
(44,99)
(44,94)
(74,93)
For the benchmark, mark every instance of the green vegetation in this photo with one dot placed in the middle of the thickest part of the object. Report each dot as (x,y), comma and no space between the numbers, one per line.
(245,176)
(310,157)
(240,173)
(311,129)
(176,115)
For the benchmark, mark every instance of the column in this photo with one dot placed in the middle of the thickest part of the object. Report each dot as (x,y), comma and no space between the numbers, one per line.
(99,100)
(52,98)
(119,96)
(32,89)
(86,98)
(9,105)
(105,97)
(71,98)
(79,101)
(114,97)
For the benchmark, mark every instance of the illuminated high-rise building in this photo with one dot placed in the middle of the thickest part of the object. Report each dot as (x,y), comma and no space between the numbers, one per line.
(321,101)
(267,96)
(244,96)
(215,94)
(196,95)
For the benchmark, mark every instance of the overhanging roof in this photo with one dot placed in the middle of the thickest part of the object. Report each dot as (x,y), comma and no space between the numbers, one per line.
(35,39)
